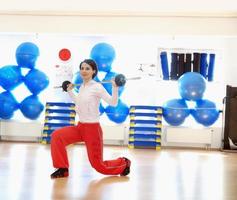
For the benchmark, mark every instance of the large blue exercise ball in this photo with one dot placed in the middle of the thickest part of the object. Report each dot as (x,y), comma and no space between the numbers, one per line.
(27,54)
(31,107)
(103,54)
(117,114)
(205,112)
(77,79)
(8,105)
(175,111)
(10,77)
(108,86)
(192,86)
(36,81)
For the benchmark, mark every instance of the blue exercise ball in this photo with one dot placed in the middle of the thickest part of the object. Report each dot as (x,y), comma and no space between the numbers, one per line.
(101,109)
(31,107)
(117,114)
(108,86)
(77,79)
(10,77)
(192,86)
(175,111)
(103,54)
(27,54)
(205,112)
(36,81)
(8,105)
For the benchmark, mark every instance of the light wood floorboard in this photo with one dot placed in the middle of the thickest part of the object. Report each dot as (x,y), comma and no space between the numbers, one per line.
(168,174)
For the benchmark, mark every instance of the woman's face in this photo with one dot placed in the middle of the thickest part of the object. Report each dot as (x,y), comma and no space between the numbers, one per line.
(86,72)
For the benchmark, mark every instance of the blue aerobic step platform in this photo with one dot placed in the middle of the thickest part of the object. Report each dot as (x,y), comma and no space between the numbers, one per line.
(48,118)
(60,104)
(47,133)
(157,109)
(46,140)
(145,137)
(144,144)
(157,116)
(60,111)
(145,127)
(57,115)
(153,123)
(154,130)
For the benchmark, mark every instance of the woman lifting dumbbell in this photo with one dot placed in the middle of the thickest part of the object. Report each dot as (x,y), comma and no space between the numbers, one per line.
(119,80)
(88,129)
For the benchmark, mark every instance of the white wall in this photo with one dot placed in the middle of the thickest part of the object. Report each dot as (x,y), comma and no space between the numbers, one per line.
(129,17)
(170,17)
(151,25)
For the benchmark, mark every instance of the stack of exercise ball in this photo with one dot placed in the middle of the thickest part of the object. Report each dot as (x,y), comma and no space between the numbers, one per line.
(35,81)
(191,86)
(104,55)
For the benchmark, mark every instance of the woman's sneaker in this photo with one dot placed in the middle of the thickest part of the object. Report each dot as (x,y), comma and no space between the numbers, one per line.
(126,171)
(60,173)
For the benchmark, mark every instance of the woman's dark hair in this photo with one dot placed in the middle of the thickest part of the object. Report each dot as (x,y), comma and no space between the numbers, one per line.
(93,65)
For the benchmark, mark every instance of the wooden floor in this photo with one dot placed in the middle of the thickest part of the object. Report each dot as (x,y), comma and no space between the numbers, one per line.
(167,174)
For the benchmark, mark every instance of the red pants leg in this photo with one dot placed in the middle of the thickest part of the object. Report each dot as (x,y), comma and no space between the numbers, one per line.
(59,140)
(93,138)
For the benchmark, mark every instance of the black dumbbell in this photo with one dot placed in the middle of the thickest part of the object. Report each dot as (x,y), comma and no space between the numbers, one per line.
(65,85)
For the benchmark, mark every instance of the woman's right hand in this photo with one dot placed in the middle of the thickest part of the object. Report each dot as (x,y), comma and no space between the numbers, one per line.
(113,83)
(70,87)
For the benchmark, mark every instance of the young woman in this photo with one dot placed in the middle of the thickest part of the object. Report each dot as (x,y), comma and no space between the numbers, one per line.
(88,129)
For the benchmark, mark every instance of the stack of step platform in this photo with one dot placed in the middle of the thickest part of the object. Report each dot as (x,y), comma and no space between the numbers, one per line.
(57,115)
(145,127)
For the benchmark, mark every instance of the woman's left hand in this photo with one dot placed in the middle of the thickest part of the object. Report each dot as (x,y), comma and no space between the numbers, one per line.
(113,83)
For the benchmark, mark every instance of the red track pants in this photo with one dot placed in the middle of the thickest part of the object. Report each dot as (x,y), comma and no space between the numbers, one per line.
(92,135)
